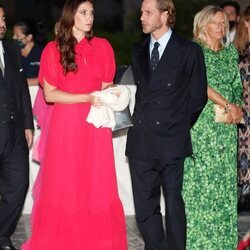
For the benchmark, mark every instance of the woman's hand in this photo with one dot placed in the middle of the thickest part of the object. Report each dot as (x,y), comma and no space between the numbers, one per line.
(236,113)
(95,101)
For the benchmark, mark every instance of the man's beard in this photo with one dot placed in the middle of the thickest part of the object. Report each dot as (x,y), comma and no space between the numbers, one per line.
(2,32)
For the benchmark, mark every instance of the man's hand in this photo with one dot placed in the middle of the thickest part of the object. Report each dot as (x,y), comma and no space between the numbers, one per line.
(29,135)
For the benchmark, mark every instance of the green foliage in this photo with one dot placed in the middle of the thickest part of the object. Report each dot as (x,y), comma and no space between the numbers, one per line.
(121,42)
(185,12)
(9,33)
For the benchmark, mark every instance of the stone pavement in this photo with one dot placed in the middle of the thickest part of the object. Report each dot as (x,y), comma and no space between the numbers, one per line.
(134,239)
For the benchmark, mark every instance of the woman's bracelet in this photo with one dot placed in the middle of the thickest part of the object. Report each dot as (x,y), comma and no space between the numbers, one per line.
(227,109)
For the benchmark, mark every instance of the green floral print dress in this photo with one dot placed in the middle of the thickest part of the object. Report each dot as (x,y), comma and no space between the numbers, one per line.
(210,179)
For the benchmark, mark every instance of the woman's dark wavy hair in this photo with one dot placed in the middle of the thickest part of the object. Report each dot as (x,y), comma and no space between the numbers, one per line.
(64,36)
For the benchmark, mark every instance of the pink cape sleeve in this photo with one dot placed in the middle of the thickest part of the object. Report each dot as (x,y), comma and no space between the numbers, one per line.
(49,68)
(42,111)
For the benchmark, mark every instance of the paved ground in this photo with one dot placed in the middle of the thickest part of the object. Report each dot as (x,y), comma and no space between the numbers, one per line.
(243,223)
(134,239)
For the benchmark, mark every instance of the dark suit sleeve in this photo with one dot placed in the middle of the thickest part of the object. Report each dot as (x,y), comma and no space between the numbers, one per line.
(27,109)
(198,85)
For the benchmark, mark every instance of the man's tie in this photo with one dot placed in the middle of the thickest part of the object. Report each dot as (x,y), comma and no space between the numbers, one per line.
(1,66)
(154,56)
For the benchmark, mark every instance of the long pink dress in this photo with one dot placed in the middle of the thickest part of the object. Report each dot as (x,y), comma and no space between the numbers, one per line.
(78,207)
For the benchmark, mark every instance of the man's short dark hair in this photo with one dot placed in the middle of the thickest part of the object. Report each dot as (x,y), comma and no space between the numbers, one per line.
(233,4)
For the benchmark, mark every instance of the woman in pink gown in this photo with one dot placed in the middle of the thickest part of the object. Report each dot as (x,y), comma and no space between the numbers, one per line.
(78,207)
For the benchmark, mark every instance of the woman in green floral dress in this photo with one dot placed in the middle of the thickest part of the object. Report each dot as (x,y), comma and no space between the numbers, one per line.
(210,189)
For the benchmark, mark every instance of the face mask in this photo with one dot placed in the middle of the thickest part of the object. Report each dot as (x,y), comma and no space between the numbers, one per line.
(231,24)
(19,44)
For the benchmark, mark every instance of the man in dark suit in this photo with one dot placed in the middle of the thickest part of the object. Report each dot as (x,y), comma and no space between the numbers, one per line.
(170,75)
(16,136)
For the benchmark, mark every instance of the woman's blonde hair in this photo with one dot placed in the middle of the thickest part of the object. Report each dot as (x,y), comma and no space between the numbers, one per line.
(201,20)
(242,35)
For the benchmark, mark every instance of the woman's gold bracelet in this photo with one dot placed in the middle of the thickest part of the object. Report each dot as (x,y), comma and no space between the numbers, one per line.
(227,109)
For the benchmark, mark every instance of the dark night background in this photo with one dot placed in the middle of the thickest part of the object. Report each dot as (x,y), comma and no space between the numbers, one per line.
(117,20)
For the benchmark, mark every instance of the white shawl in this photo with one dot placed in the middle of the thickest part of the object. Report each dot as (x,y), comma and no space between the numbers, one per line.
(115,98)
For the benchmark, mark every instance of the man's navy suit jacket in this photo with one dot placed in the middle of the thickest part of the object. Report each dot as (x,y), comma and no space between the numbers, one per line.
(168,100)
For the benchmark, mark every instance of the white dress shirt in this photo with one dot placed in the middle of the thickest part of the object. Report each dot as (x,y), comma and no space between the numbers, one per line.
(163,41)
(1,53)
